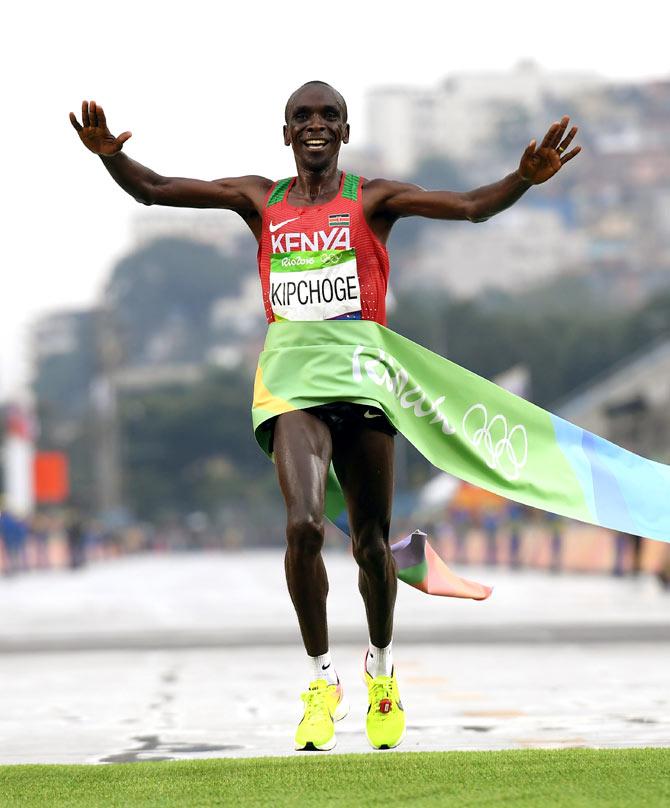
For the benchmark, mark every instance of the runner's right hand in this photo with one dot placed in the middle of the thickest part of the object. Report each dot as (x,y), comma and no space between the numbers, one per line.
(94,133)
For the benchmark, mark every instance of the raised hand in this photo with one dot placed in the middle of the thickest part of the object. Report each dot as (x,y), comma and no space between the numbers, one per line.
(94,133)
(539,164)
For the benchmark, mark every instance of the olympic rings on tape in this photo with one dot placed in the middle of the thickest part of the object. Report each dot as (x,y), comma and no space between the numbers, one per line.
(500,453)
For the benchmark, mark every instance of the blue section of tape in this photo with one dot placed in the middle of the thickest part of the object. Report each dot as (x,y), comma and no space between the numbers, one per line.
(569,439)
(644,487)
(342,522)
(625,492)
(611,507)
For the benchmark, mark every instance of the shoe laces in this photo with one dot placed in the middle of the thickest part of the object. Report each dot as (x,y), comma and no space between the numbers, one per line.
(382,695)
(315,703)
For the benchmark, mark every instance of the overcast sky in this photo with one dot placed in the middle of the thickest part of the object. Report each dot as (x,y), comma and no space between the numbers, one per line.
(202,86)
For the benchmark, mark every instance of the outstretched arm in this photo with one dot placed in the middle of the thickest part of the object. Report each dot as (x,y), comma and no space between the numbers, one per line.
(392,200)
(242,194)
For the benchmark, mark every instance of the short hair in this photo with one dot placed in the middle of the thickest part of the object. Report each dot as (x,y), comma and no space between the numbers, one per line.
(338,95)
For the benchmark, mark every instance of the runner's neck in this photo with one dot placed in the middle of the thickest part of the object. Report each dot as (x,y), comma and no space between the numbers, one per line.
(314,186)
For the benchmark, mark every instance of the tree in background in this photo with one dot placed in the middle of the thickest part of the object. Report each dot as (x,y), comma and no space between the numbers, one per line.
(191,449)
(160,297)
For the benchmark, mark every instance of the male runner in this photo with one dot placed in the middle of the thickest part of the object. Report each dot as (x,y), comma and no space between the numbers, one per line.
(301,225)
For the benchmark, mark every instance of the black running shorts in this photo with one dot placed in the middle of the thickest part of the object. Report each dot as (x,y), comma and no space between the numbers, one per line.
(343,418)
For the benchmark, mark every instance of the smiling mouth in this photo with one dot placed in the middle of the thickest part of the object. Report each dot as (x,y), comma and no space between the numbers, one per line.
(315,144)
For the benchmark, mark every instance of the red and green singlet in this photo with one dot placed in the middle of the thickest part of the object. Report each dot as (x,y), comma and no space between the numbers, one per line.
(321,262)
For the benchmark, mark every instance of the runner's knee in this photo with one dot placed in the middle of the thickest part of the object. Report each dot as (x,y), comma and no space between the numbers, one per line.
(371,550)
(304,534)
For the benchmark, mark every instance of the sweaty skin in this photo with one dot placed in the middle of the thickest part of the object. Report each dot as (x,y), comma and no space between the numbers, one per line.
(303,445)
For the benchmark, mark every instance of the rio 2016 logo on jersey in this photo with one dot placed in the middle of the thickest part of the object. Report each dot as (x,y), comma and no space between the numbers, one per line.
(337,239)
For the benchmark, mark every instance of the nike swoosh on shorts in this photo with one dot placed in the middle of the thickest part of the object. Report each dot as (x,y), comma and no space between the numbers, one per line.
(275,227)
(368,414)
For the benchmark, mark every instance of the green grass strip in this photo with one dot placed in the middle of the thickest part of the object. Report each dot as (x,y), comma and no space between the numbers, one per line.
(569,778)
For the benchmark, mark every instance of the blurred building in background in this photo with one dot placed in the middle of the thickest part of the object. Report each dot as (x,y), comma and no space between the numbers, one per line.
(216,228)
(457,117)
(607,214)
(469,259)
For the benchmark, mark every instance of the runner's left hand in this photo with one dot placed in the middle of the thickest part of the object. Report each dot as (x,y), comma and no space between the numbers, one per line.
(539,164)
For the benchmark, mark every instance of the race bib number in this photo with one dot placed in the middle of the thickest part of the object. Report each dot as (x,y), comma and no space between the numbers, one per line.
(319,285)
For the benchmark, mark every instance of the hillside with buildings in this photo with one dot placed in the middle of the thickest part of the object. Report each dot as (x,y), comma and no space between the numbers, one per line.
(607,215)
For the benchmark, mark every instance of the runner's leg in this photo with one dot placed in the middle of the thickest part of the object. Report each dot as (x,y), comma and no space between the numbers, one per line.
(302,451)
(363,460)
(302,448)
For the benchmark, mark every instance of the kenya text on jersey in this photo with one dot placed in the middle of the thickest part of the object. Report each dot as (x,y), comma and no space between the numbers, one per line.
(337,239)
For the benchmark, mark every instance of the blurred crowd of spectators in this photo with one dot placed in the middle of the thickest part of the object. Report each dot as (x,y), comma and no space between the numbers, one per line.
(513,536)
(48,540)
(64,538)
(521,537)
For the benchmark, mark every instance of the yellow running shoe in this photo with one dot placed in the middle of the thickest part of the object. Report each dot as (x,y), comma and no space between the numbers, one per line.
(385,722)
(324,704)
(337,704)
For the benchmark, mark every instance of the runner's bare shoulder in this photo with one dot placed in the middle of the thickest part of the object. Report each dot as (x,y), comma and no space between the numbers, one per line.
(379,190)
(251,188)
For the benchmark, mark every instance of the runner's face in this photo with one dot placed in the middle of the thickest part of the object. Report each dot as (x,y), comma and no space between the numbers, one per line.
(316,127)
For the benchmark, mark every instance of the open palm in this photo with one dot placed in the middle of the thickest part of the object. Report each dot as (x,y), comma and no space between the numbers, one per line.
(94,133)
(540,164)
